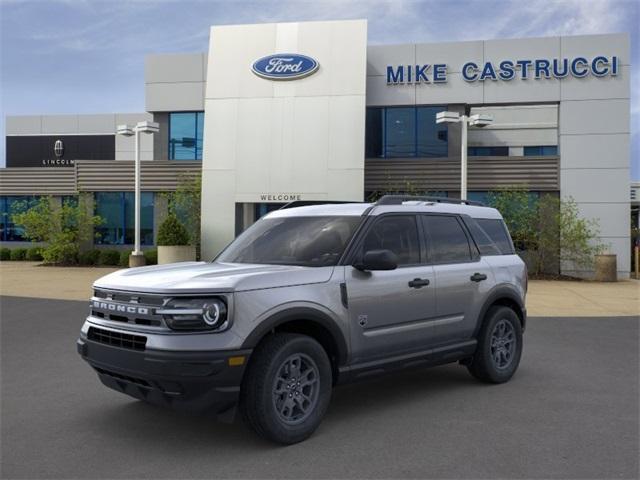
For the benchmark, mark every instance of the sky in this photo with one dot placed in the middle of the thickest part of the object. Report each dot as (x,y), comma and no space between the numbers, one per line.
(87,56)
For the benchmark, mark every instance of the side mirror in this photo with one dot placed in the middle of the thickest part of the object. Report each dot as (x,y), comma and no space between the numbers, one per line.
(378,260)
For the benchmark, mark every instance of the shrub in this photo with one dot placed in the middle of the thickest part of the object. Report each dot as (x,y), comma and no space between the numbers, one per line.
(109,257)
(151,257)
(90,257)
(124,258)
(62,228)
(34,254)
(172,232)
(5,253)
(18,253)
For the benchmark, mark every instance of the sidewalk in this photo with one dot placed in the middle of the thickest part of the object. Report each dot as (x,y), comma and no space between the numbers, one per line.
(545,298)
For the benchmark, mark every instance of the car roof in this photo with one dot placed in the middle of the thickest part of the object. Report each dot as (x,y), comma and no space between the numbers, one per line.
(358,209)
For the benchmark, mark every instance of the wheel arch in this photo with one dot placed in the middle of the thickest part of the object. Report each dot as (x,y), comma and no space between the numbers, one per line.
(505,296)
(307,321)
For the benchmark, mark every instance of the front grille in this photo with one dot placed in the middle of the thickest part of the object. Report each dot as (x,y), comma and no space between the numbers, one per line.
(117,339)
(123,307)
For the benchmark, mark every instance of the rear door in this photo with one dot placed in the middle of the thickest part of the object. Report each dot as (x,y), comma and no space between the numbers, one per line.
(391,311)
(462,278)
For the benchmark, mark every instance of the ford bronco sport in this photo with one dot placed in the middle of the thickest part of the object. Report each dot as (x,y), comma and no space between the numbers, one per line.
(309,297)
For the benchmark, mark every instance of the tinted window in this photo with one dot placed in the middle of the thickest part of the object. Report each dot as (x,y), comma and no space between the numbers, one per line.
(304,241)
(542,151)
(398,234)
(374,133)
(448,241)
(488,151)
(185,135)
(498,233)
(483,241)
(405,132)
(400,128)
(118,218)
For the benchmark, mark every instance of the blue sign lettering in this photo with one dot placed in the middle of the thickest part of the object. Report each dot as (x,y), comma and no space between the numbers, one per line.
(506,70)
(285,66)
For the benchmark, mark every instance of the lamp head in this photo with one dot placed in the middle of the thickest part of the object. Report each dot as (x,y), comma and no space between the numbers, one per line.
(147,127)
(124,130)
(480,120)
(447,117)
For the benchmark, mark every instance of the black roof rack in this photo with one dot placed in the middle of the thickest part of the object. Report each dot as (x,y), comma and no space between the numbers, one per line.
(399,199)
(306,203)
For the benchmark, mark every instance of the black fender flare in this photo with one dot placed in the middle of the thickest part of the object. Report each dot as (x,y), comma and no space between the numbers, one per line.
(498,293)
(300,313)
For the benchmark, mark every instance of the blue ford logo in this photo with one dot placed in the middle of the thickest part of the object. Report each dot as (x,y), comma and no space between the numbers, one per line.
(284,66)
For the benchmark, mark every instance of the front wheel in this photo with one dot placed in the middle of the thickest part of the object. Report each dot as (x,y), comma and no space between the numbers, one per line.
(499,346)
(287,388)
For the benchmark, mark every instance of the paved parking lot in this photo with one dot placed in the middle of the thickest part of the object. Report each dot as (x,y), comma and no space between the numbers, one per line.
(570,412)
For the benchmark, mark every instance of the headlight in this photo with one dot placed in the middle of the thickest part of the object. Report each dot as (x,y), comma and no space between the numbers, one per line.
(195,314)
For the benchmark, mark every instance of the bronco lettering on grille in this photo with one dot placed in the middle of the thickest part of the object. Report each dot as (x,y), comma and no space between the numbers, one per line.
(118,307)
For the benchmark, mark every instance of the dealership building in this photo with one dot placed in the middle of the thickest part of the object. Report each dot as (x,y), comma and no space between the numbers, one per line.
(309,111)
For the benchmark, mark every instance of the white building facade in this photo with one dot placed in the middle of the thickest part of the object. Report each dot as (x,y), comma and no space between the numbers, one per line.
(308,111)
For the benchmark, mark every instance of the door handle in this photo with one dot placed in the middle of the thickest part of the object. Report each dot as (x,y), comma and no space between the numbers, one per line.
(418,283)
(478,277)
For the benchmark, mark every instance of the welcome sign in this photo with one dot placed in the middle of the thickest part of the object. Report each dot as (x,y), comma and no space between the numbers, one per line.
(507,70)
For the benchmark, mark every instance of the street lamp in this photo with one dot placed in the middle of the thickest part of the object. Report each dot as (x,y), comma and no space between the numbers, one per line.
(136,259)
(478,120)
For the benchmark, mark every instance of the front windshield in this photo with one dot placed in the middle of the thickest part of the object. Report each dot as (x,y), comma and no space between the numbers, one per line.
(304,241)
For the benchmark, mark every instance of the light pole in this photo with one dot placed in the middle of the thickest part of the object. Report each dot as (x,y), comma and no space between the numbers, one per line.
(136,259)
(478,120)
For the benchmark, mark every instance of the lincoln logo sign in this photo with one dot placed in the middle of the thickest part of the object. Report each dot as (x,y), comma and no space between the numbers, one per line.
(58,148)
(506,70)
(285,66)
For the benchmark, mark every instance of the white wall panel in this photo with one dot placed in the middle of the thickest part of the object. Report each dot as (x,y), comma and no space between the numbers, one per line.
(455,90)
(379,56)
(594,117)
(280,136)
(596,185)
(592,88)
(453,54)
(595,151)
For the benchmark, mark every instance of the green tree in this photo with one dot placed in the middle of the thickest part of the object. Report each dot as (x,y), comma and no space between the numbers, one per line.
(548,232)
(63,228)
(185,204)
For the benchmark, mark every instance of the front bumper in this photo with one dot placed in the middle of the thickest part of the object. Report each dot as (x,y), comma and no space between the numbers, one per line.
(188,381)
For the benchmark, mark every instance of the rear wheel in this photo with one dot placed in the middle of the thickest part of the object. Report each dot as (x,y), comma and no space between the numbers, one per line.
(287,388)
(499,346)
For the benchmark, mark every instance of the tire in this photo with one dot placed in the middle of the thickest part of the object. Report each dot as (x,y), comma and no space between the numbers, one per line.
(498,362)
(272,403)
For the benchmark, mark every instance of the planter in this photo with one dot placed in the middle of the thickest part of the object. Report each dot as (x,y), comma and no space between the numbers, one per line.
(606,268)
(176,253)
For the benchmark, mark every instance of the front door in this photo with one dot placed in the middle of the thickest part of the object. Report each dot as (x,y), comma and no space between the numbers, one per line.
(391,311)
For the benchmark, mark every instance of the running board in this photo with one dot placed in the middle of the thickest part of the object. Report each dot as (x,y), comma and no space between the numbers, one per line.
(424,358)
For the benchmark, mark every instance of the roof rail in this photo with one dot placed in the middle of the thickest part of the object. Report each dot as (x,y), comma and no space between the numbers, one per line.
(306,203)
(399,199)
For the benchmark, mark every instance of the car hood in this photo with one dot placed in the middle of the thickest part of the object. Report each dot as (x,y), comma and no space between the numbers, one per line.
(202,277)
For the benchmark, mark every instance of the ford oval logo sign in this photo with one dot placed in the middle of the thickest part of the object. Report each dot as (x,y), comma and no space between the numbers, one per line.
(285,66)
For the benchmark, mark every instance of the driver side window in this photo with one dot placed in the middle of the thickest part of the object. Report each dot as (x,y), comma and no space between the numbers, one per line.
(398,234)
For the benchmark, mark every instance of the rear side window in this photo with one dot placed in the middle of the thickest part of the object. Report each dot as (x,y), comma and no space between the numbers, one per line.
(483,241)
(497,231)
(447,240)
(398,234)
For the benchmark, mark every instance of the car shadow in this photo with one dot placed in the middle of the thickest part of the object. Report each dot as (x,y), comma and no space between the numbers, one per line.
(150,425)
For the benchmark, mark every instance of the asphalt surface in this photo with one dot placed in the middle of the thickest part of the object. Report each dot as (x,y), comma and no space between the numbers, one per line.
(571,411)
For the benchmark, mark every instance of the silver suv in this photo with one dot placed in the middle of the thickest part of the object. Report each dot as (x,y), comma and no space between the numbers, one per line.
(309,297)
